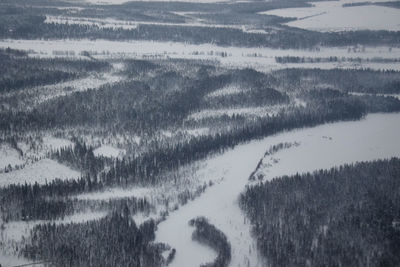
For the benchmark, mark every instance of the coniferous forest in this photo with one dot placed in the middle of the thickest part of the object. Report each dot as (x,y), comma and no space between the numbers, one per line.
(348,216)
(159,133)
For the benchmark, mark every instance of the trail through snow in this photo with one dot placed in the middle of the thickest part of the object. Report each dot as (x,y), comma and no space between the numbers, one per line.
(376,136)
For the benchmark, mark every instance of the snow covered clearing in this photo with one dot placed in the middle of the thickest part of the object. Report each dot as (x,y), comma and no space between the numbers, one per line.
(184,132)
(128,25)
(109,151)
(326,146)
(53,143)
(15,233)
(10,261)
(197,131)
(260,58)
(247,112)
(137,192)
(231,89)
(332,16)
(43,171)
(101,23)
(17,230)
(385,95)
(9,156)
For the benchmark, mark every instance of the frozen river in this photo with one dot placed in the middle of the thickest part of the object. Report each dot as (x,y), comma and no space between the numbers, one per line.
(375,137)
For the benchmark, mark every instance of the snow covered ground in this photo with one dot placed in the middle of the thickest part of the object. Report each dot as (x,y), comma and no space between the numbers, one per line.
(109,151)
(231,89)
(385,95)
(9,156)
(137,192)
(53,143)
(14,233)
(40,172)
(11,261)
(126,24)
(247,112)
(326,146)
(101,23)
(260,58)
(332,16)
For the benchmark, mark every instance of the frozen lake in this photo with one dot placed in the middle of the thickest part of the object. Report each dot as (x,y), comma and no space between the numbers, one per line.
(375,137)
(332,16)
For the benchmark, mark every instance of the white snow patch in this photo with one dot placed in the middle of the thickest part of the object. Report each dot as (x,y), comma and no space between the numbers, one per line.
(374,137)
(43,171)
(18,230)
(9,156)
(137,192)
(109,151)
(227,90)
(53,143)
(249,112)
(385,95)
(106,23)
(11,260)
(198,131)
(140,218)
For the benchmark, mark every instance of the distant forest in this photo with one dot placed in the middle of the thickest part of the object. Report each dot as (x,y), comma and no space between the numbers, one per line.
(345,216)
(18,71)
(28,23)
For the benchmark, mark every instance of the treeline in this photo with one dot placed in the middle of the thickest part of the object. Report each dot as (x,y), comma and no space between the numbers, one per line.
(32,26)
(18,70)
(111,241)
(372,103)
(80,157)
(209,235)
(257,91)
(143,106)
(295,59)
(345,216)
(29,202)
(363,81)
(272,150)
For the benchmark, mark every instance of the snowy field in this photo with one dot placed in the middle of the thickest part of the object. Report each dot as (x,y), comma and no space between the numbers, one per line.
(230,112)
(332,16)
(43,171)
(109,151)
(111,23)
(231,89)
(260,58)
(329,145)
(53,143)
(108,23)
(385,95)
(9,156)
(113,193)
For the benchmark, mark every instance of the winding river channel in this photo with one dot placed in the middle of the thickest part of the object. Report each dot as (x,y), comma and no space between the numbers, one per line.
(377,136)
